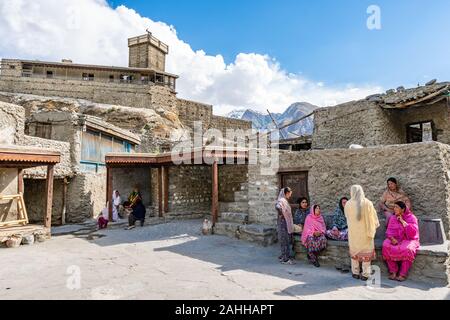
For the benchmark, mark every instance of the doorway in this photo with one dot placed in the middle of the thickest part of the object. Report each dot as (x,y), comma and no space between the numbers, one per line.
(298,182)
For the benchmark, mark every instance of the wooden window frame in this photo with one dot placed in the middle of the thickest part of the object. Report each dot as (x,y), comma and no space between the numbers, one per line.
(433,129)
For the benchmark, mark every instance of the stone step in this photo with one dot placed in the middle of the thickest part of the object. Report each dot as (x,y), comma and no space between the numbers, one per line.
(229,229)
(258,233)
(236,217)
(237,206)
(255,233)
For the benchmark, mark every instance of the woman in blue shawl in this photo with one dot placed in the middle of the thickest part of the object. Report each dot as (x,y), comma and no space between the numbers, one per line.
(339,232)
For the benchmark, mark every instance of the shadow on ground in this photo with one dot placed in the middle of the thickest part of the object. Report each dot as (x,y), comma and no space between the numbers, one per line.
(233,256)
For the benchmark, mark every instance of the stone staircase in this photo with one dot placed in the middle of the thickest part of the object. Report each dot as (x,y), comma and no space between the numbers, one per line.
(234,221)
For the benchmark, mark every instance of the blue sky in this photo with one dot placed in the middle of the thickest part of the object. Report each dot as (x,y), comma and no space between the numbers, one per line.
(324,40)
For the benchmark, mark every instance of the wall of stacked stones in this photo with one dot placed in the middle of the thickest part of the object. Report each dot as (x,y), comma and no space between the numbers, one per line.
(357,122)
(231,179)
(118,94)
(189,189)
(422,170)
(223,124)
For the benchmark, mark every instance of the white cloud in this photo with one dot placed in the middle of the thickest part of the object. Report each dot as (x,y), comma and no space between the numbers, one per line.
(90,31)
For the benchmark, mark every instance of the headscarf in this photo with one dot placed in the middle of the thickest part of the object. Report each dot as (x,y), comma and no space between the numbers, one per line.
(357,195)
(395,228)
(313,223)
(285,207)
(339,219)
(363,205)
(116,199)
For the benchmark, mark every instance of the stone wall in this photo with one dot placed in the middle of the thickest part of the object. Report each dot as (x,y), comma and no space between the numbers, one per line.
(12,123)
(189,189)
(231,179)
(125,179)
(223,124)
(133,95)
(422,171)
(357,122)
(86,197)
(365,123)
(438,113)
(62,169)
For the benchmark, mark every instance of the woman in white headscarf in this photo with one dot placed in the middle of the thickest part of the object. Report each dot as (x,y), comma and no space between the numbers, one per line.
(117,201)
(285,225)
(362,225)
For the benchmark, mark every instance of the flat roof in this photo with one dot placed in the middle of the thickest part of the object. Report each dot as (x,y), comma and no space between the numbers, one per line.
(205,155)
(27,157)
(90,66)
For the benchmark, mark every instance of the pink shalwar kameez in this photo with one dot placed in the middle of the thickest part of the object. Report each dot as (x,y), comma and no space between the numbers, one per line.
(405,251)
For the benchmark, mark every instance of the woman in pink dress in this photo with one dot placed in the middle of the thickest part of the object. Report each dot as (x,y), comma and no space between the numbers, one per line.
(402,242)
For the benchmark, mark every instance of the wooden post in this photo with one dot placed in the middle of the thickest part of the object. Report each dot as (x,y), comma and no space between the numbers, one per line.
(64,202)
(49,197)
(160,192)
(109,186)
(215,192)
(20,187)
(166,189)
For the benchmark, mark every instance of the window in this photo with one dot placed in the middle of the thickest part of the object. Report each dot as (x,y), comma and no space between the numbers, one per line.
(111,78)
(43,130)
(49,74)
(95,145)
(421,132)
(12,67)
(88,77)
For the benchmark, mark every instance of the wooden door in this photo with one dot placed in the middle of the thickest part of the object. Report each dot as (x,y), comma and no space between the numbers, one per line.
(298,182)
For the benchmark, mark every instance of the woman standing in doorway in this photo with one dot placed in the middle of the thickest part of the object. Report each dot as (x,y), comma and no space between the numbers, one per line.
(285,225)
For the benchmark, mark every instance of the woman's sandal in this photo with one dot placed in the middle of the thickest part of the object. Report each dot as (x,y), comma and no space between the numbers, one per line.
(356,276)
(393,277)
(401,279)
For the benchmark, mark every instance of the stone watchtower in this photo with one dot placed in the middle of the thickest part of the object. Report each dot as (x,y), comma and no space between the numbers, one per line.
(148,52)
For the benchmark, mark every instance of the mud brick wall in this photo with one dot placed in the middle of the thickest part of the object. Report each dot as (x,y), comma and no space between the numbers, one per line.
(422,170)
(361,122)
(132,95)
(12,123)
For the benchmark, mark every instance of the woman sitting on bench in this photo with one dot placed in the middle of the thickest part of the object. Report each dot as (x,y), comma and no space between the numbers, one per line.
(402,242)
(313,235)
(339,232)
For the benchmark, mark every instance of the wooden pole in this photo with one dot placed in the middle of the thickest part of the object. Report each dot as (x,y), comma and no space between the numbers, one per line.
(166,189)
(64,200)
(20,187)
(109,185)
(49,198)
(160,192)
(215,192)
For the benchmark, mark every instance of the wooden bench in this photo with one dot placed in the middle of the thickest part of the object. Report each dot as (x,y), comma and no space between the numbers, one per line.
(432,263)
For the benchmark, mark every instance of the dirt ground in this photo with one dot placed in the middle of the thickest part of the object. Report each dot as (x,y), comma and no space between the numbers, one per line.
(174,261)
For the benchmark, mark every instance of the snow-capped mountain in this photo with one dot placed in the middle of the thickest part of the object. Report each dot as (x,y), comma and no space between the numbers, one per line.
(263,121)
